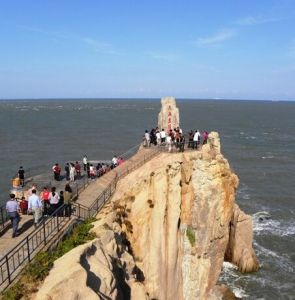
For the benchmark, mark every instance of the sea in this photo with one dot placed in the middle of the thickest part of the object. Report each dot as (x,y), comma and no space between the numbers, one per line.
(257,137)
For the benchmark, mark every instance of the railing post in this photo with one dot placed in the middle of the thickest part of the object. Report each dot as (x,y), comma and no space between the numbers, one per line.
(57,220)
(44,232)
(104,197)
(79,211)
(8,270)
(28,246)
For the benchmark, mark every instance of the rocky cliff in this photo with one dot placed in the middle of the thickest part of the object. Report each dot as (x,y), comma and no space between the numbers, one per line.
(165,234)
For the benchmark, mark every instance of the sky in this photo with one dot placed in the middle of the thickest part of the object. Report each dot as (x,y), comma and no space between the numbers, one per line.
(232,49)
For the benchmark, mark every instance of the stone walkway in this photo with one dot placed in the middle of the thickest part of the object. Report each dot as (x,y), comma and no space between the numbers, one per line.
(86,197)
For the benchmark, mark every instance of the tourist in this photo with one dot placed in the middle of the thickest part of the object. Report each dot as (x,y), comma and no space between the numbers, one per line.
(53,199)
(23,204)
(12,209)
(61,199)
(163,136)
(196,139)
(68,188)
(147,139)
(153,136)
(85,161)
(29,192)
(78,169)
(92,171)
(21,176)
(169,143)
(205,137)
(67,169)
(72,172)
(114,162)
(68,203)
(158,137)
(35,206)
(56,171)
(88,169)
(120,161)
(44,195)
(181,143)
(191,139)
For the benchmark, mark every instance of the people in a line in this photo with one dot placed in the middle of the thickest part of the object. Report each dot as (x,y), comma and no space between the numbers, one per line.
(67,170)
(12,209)
(35,206)
(53,199)
(21,176)
(44,195)
(85,161)
(56,171)
(72,172)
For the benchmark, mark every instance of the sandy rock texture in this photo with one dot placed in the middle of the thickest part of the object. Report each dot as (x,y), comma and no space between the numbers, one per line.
(164,235)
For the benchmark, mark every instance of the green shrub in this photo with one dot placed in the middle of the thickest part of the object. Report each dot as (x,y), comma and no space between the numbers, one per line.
(191,235)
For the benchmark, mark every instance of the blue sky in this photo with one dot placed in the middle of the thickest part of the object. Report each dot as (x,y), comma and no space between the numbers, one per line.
(194,49)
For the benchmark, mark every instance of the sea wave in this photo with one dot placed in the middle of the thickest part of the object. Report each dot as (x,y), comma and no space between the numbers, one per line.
(264,224)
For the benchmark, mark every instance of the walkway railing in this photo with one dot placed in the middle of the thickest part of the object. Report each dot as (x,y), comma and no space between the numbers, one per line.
(51,228)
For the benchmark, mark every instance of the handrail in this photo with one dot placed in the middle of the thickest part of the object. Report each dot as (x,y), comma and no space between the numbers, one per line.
(49,228)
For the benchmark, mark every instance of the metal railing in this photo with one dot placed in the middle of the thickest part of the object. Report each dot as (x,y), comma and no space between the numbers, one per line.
(51,227)
(12,263)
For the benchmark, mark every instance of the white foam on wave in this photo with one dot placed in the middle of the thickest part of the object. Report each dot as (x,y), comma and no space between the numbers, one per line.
(230,275)
(282,262)
(267,157)
(263,224)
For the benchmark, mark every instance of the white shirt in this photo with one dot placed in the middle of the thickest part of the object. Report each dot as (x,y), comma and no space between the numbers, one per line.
(163,134)
(158,135)
(147,136)
(53,199)
(197,136)
(168,139)
(85,160)
(115,161)
(34,201)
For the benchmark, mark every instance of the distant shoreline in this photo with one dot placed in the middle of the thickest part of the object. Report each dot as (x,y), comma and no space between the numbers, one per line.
(135,99)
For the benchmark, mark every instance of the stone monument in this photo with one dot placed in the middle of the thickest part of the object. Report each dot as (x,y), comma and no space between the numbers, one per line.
(168,117)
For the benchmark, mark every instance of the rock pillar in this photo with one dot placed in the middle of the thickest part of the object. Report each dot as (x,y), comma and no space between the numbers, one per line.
(169,115)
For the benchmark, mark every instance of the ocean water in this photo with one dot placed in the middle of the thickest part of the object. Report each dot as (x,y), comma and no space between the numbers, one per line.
(257,138)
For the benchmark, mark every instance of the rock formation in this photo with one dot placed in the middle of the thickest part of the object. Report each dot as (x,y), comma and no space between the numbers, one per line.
(168,117)
(164,237)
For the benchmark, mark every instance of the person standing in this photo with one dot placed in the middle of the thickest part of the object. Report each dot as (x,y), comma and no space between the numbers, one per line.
(147,139)
(163,136)
(35,205)
(45,199)
(56,171)
(12,209)
(21,176)
(78,169)
(205,137)
(197,137)
(85,161)
(72,172)
(67,169)
(53,199)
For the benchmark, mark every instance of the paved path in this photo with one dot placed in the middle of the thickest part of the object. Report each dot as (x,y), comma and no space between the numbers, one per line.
(86,197)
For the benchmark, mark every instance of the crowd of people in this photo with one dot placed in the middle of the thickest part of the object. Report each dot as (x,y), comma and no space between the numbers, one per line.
(44,203)
(174,138)
(73,170)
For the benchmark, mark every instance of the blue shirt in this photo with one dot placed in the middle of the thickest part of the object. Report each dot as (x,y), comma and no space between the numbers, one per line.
(12,206)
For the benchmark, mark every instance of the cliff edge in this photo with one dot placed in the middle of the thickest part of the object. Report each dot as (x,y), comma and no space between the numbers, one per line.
(164,235)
